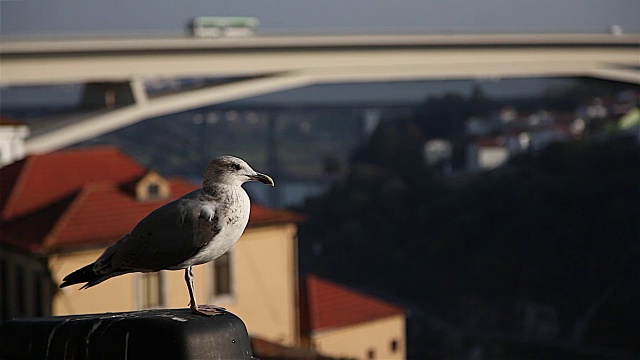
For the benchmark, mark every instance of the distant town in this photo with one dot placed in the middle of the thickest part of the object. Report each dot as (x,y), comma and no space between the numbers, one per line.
(406,191)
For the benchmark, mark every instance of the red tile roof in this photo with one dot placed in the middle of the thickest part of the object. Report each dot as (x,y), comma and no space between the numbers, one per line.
(262,215)
(102,213)
(326,305)
(5,121)
(44,179)
(82,198)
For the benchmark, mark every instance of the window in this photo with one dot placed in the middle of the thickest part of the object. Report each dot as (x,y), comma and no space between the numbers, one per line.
(394,345)
(37,291)
(20,291)
(26,286)
(153,191)
(4,289)
(371,354)
(151,290)
(222,277)
(152,187)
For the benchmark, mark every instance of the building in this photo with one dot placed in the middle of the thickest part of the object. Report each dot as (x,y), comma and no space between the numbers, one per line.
(343,323)
(59,211)
(12,135)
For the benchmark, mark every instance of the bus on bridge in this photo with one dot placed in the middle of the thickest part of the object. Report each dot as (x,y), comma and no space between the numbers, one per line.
(219,26)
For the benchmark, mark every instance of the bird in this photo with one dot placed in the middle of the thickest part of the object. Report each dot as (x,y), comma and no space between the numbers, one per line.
(192,230)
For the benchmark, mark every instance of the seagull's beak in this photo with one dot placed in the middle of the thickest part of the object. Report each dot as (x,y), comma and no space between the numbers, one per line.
(265,179)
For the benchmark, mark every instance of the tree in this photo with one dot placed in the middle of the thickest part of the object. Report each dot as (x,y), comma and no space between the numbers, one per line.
(557,229)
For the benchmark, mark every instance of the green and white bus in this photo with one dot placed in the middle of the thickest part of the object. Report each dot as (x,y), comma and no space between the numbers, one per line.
(219,26)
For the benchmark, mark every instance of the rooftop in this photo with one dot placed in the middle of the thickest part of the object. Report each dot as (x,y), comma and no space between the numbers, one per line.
(327,305)
(84,198)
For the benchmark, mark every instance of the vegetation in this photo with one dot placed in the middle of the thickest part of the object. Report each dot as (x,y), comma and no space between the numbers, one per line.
(541,253)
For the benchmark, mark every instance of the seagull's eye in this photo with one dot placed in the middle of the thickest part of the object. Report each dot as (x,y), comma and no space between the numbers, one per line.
(234,166)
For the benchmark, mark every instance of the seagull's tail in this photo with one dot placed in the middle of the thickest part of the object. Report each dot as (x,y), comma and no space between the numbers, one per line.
(82,275)
(88,276)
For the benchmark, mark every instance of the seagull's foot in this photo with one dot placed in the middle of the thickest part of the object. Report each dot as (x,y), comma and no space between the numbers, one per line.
(208,310)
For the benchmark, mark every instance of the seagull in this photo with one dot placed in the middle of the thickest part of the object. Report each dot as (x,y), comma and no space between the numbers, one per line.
(194,229)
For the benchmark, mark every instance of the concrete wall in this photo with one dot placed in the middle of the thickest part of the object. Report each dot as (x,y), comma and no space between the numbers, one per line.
(114,295)
(266,283)
(358,340)
(12,146)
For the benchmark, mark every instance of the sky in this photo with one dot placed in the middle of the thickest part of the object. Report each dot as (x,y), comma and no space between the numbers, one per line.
(60,18)
(43,18)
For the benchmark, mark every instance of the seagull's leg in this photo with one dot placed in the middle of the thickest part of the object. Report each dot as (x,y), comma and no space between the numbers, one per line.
(205,310)
(188,278)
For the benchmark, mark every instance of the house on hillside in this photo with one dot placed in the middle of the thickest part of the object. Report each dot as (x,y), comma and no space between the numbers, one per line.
(344,323)
(59,212)
(12,135)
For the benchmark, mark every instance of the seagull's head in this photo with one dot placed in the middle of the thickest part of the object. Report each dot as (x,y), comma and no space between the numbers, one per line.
(231,170)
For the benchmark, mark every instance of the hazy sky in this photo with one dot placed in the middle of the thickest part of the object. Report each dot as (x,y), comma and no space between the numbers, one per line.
(169,17)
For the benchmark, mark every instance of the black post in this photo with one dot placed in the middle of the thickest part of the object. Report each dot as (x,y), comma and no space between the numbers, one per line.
(150,334)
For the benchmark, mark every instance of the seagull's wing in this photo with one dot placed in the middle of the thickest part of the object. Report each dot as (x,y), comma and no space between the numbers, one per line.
(167,237)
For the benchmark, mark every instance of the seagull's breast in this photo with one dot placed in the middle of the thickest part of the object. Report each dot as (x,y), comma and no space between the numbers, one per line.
(231,219)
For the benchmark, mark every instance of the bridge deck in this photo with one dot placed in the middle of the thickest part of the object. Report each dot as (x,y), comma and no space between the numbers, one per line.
(279,63)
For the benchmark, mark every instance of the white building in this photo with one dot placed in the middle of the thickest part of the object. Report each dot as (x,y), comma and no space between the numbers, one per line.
(12,136)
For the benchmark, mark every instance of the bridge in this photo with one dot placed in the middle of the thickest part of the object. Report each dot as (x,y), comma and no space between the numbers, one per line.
(115,70)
